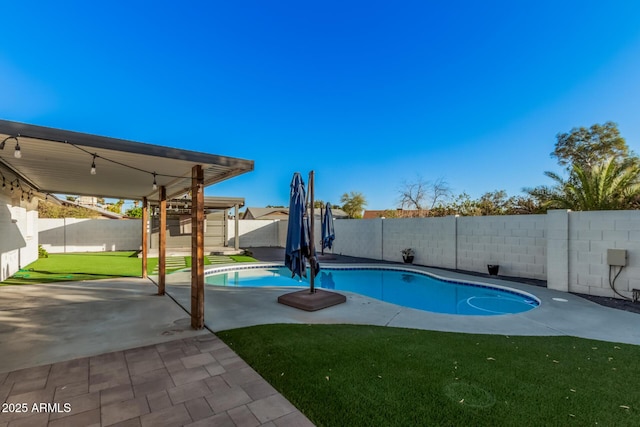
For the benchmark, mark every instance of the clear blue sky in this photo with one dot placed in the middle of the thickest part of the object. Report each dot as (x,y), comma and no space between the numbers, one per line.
(367,93)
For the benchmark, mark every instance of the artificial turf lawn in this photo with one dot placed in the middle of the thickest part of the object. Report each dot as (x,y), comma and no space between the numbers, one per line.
(348,375)
(90,266)
(78,266)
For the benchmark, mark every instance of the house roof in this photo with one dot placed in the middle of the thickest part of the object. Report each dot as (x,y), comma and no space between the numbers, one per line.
(372,214)
(59,161)
(258,213)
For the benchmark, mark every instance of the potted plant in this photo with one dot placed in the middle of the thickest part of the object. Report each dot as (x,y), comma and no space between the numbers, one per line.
(407,255)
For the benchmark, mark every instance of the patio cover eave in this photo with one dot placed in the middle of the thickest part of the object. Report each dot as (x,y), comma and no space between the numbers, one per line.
(59,161)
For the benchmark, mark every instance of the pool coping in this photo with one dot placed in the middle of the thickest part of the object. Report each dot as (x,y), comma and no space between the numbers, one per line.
(384,267)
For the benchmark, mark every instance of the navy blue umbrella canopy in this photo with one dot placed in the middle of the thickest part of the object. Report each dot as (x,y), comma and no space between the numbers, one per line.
(298,247)
(328,234)
(297,240)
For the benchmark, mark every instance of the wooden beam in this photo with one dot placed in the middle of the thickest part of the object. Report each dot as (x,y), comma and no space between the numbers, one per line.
(162,241)
(237,228)
(145,236)
(197,247)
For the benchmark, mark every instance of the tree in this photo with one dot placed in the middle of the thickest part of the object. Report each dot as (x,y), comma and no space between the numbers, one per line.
(589,147)
(422,194)
(135,212)
(353,204)
(115,207)
(602,171)
(608,185)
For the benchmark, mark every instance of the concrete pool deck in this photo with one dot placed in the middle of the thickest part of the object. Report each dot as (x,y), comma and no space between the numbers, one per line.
(228,308)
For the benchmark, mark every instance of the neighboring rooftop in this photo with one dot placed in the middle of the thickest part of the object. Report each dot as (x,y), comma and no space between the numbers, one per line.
(283,213)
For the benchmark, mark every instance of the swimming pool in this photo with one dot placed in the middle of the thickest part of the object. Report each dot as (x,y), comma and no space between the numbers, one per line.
(398,286)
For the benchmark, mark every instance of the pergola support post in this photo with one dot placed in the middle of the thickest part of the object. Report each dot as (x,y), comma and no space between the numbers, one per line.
(145,236)
(197,247)
(237,228)
(162,242)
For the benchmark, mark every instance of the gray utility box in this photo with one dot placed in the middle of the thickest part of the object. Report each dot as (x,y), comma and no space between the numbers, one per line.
(617,257)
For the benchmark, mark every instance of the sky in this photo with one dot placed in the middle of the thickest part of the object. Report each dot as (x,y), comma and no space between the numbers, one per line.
(368,94)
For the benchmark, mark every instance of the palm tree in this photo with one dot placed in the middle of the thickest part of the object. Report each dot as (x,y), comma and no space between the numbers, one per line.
(607,186)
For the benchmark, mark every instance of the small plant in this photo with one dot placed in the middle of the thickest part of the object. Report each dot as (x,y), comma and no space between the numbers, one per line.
(407,252)
(42,252)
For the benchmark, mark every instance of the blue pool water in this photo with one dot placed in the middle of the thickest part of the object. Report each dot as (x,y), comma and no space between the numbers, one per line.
(400,287)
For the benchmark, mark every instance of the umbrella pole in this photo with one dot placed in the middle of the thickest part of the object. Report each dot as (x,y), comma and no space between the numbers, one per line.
(322,222)
(312,248)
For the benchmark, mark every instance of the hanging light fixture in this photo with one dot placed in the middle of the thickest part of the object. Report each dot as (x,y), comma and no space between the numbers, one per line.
(17,154)
(155,184)
(93,165)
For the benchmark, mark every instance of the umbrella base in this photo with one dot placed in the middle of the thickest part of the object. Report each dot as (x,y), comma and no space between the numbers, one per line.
(305,300)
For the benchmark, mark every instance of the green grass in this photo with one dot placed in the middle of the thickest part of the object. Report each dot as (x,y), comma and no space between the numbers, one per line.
(347,375)
(90,266)
(78,266)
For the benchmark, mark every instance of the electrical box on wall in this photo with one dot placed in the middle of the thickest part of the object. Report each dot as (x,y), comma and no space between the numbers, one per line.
(617,257)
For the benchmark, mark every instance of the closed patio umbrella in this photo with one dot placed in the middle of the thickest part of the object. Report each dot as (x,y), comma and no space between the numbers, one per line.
(328,233)
(297,246)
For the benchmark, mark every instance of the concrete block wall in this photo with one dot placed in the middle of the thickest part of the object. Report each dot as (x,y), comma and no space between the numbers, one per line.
(62,235)
(590,235)
(515,242)
(18,234)
(361,238)
(257,233)
(432,239)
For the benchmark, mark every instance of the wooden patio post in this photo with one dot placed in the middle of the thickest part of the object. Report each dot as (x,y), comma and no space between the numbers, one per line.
(236,231)
(145,236)
(162,242)
(197,247)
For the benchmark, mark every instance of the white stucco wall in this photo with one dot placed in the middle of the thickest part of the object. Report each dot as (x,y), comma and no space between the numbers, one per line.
(89,235)
(18,234)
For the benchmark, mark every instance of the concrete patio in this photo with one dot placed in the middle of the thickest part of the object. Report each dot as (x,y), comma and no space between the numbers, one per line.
(120,355)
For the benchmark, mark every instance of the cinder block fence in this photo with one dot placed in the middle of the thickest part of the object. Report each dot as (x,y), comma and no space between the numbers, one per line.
(567,249)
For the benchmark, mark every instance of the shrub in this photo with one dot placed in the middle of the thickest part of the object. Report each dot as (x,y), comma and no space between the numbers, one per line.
(42,252)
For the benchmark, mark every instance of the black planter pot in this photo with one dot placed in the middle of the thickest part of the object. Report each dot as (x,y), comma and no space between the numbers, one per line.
(493,269)
(408,259)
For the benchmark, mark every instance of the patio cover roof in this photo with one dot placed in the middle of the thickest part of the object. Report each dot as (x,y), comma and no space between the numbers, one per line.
(59,161)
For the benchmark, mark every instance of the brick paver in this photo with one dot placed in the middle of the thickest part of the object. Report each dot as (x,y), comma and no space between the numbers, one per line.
(194,381)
